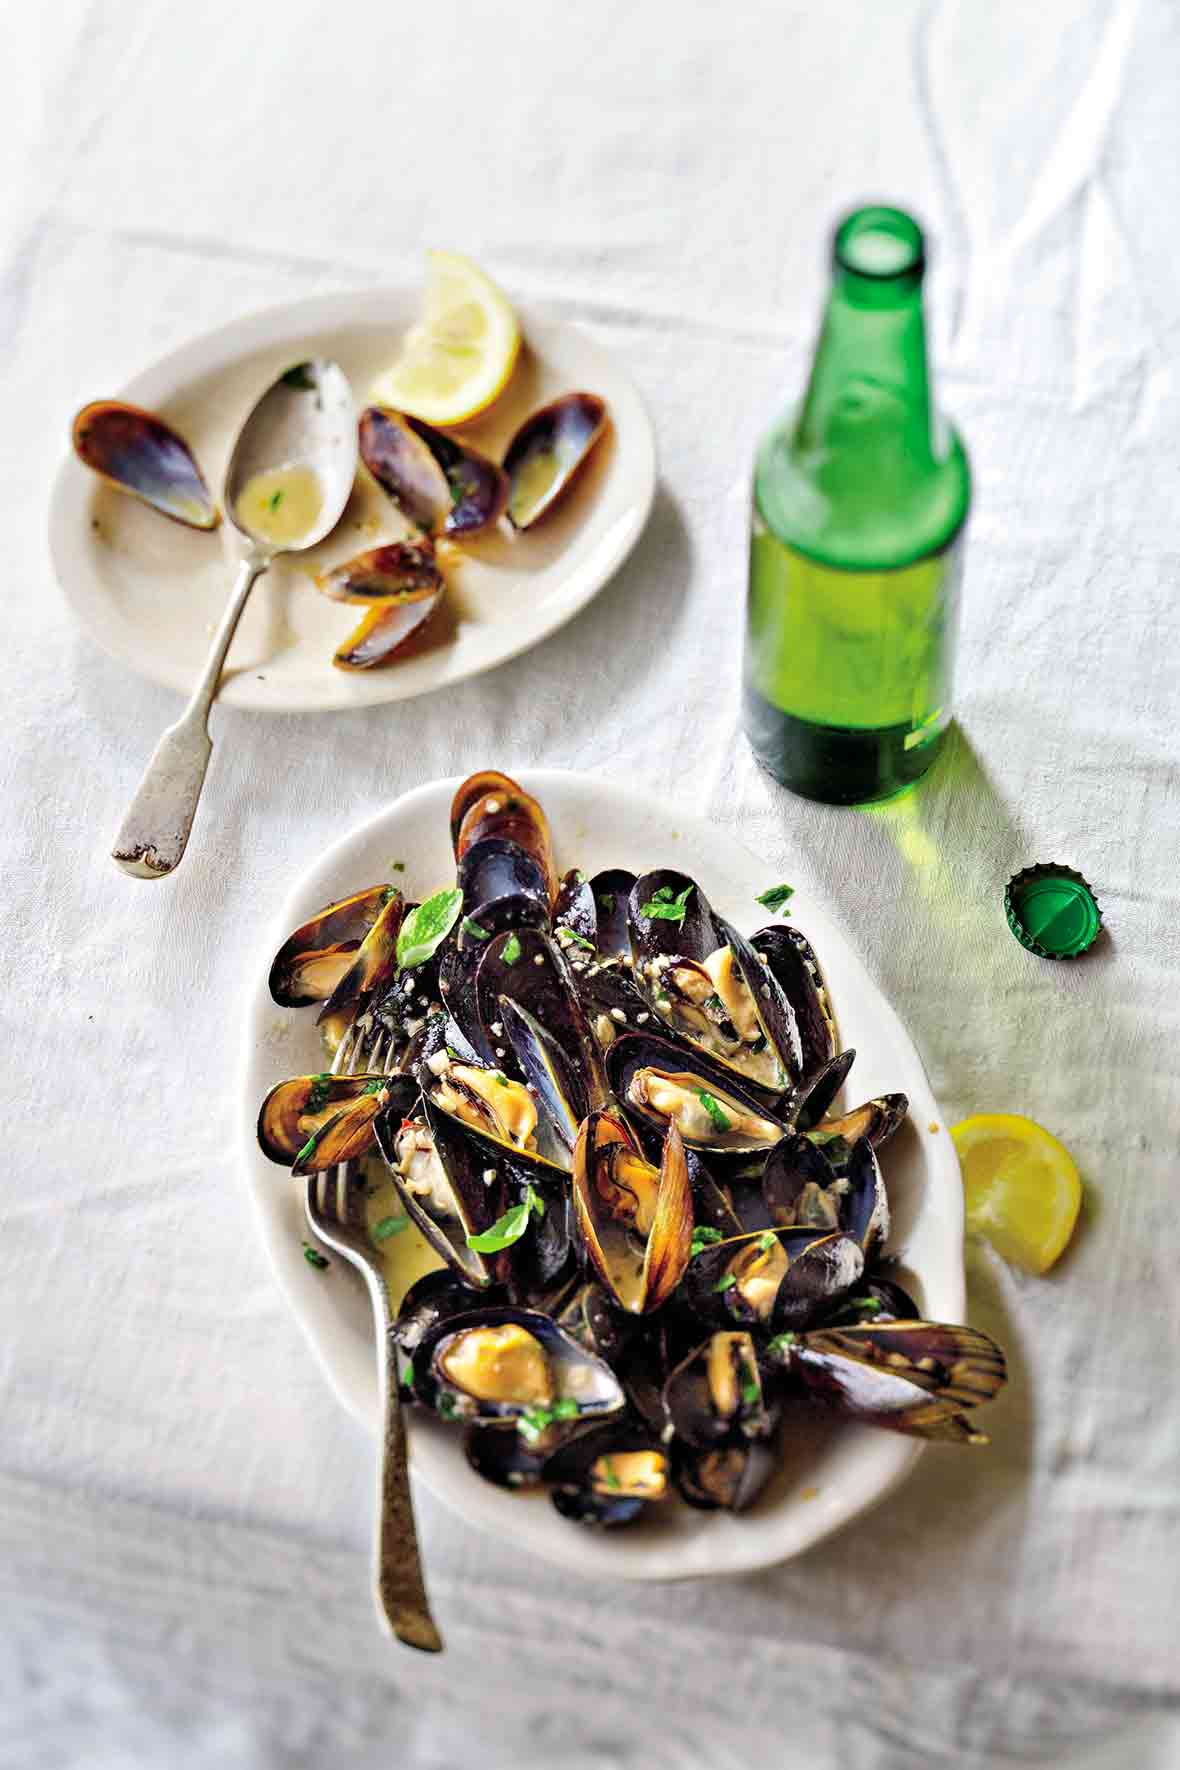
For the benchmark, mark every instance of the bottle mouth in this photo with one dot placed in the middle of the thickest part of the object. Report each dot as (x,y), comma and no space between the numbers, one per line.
(881,244)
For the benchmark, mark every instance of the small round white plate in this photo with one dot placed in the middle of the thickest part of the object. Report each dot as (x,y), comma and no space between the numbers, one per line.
(828,1477)
(150,591)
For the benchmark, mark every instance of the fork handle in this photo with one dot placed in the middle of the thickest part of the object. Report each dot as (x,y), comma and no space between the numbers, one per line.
(401,1590)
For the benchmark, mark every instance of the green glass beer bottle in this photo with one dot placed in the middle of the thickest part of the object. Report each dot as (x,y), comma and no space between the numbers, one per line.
(860,502)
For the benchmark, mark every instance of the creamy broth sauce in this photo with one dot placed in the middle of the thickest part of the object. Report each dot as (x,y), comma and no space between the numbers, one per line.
(282,505)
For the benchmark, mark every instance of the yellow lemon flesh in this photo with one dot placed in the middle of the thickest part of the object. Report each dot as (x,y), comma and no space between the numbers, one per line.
(462,352)
(1023,1190)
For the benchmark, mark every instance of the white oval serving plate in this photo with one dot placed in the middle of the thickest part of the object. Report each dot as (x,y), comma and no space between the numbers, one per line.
(827,1478)
(150,591)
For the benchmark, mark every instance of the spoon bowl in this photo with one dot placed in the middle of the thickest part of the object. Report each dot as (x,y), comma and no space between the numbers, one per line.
(289,478)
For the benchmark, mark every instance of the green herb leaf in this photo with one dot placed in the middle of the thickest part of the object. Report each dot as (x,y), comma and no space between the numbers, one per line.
(608,1473)
(300,377)
(663,895)
(579,940)
(867,1305)
(510,1227)
(720,1121)
(726,1282)
(565,1409)
(781,1343)
(767,1240)
(389,1226)
(375,1086)
(319,1094)
(669,908)
(275,499)
(308,1147)
(470,926)
(775,897)
(447,1406)
(533,1422)
(751,1393)
(608,901)
(425,929)
(511,950)
(314,1257)
(703,1236)
(397,866)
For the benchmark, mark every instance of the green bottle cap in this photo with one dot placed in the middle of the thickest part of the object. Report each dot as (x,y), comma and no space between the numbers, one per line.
(1052,911)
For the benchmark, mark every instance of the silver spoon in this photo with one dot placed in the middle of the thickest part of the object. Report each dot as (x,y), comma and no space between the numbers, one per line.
(307,419)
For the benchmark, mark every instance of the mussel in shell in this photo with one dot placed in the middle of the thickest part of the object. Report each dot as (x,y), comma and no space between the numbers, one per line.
(606,1476)
(661,1083)
(511,1365)
(547,452)
(726,1477)
(312,960)
(917,1377)
(441,485)
(373,963)
(717,1394)
(447,1189)
(635,1221)
(137,452)
(310,1123)
(398,569)
(773,1279)
(877,1120)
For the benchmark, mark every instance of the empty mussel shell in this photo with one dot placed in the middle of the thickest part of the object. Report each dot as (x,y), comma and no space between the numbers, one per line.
(386,627)
(312,960)
(635,1221)
(372,966)
(915,1377)
(440,484)
(546,453)
(611,890)
(139,453)
(661,1083)
(810,1099)
(502,1364)
(527,968)
(312,1122)
(575,914)
(864,1207)
(383,573)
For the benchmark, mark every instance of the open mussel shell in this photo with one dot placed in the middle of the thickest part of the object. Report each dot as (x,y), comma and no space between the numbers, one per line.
(386,627)
(798,1187)
(875,1299)
(499,1364)
(595,1320)
(495,1112)
(137,452)
(611,890)
(772,1279)
(668,914)
(547,452)
(792,961)
(607,1475)
(774,1014)
(312,1122)
(440,484)
(441,1179)
(726,1477)
(575,915)
(610,999)
(311,962)
(864,1208)
(717,1393)
(807,1103)
(478,489)
(916,1377)
(877,1120)
(635,1221)
(660,1082)
(373,963)
(383,572)
(554,1079)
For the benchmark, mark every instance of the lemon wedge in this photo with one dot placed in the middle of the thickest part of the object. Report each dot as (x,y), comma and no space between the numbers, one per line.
(462,352)
(1022,1188)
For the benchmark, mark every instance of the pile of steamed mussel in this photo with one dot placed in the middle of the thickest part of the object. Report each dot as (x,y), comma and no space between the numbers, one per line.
(607,1110)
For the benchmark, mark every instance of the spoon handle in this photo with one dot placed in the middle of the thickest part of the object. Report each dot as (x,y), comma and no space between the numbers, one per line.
(155,830)
(401,1589)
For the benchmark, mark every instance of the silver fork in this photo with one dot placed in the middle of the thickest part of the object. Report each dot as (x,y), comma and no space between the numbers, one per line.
(334,1206)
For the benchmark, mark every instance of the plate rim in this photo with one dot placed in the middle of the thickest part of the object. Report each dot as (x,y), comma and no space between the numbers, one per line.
(757,1548)
(202,353)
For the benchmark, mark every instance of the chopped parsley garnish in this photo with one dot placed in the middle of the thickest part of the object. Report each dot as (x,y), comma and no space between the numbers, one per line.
(375,1086)
(866,1305)
(397,866)
(608,1473)
(781,1343)
(319,1094)
(775,897)
(425,928)
(726,1282)
(536,1420)
(389,1226)
(309,1147)
(275,499)
(314,1257)
(751,1387)
(447,1406)
(719,1119)
(458,489)
(511,950)
(767,1240)
(579,940)
(470,926)
(607,902)
(702,1237)
(664,907)
(511,1226)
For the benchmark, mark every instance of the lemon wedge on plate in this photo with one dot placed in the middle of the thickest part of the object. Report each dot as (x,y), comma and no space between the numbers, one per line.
(1022,1188)
(461,353)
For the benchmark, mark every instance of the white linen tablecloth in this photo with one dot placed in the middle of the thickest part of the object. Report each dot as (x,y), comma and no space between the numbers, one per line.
(184,1509)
